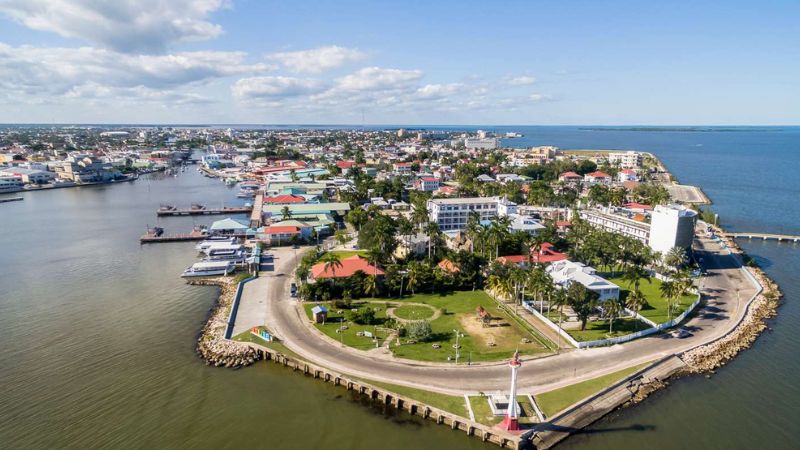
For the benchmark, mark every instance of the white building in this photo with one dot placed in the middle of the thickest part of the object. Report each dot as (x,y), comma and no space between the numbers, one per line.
(671,226)
(11,183)
(527,224)
(428,184)
(616,223)
(453,213)
(480,144)
(566,272)
(626,160)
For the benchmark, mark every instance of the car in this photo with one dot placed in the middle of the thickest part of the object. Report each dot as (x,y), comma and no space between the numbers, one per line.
(680,333)
(293,290)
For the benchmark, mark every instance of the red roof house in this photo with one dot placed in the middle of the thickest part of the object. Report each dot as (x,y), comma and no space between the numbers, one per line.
(546,254)
(284,199)
(346,268)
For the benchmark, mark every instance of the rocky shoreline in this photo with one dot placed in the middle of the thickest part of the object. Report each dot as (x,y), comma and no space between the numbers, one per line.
(211,343)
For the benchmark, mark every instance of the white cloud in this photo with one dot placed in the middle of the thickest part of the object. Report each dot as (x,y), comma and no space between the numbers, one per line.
(437,91)
(36,70)
(317,60)
(275,88)
(121,25)
(522,80)
(376,79)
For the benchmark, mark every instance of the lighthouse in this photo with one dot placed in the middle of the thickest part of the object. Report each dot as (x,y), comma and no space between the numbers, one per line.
(511,421)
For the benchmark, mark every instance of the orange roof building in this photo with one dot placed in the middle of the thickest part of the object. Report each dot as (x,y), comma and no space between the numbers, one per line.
(348,267)
(448,266)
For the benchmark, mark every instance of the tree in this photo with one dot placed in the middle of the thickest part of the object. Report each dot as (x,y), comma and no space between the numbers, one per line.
(583,301)
(635,301)
(419,330)
(286,213)
(498,231)
(634,276)
(357,217)
(341,237)
(331,262)
(433,232)
(611,310)
(293,175)
(675,258)
(473,229)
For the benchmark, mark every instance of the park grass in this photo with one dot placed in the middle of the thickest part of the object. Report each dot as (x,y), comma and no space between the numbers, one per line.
(458,306)
(342,254)
(413,312)
(451,403)
(483,412)
(247,336)
(557,400)
(657,305)
(350,336)
(598,329)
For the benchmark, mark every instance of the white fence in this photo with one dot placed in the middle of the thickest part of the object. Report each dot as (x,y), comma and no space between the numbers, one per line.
(654,327)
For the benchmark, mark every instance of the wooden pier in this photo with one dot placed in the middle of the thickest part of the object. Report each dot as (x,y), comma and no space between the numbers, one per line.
(151,238)
(204,211)
(765,236)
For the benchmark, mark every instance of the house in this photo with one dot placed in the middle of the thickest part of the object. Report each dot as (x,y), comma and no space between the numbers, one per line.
(627,175)
(570,177)
(402,168)
(427,184)
(521,261)
(344,269)
(597,177)
(228,226)
(448,266)
(412,245)
(567,272)
(527,224)
(281,234)
(320,313)
(546,255)
(286,199)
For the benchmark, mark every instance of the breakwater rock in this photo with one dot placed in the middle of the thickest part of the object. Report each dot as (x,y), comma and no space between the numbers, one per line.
(211,343)
(708,357)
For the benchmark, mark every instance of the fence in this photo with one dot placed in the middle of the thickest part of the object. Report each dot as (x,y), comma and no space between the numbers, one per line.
(531,309)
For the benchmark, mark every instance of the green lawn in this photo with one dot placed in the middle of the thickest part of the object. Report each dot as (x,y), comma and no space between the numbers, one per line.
(657,305)
(342,254)
(350,336)
(450,403)
(555,401)
(247,336)
(458,313)
(413,312)
(598,329)
(483,412)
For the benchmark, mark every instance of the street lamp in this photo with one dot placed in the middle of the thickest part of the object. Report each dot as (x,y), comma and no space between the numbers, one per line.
(402,276)
(457,347)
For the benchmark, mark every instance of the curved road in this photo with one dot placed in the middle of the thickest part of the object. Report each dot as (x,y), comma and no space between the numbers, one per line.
(725,287)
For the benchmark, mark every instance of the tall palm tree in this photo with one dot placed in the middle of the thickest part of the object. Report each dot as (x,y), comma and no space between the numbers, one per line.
(473,229)
(433,232)
(498,230)
(634,276)
(635,301)
(286,213)
(332,262)
(670,292)
(611,309)
(413,276)
(675,258)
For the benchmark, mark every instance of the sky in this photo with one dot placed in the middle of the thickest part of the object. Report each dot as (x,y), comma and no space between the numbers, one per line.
(400,62)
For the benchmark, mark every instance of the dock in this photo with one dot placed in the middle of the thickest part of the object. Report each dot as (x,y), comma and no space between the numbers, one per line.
(765,236)
(204,211)
(12,199)
(151,238)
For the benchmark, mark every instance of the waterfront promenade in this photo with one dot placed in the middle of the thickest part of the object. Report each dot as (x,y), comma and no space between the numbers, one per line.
(726,289)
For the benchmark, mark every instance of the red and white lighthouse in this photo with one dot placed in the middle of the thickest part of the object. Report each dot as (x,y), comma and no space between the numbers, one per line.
(511,421)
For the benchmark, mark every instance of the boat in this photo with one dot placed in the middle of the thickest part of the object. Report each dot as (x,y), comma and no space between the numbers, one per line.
(222,248)
(212,240)
(235,256)
(209,269)
(165,207)
(230,181)
(246,193)
(197,206)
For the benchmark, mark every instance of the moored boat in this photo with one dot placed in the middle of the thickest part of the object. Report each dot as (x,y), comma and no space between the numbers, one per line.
(209,269)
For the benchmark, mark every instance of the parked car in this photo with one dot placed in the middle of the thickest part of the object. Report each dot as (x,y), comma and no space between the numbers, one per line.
(293,290)
(680,333)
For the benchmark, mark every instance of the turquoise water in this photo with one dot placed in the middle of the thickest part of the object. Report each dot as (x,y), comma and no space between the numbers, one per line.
(98,331)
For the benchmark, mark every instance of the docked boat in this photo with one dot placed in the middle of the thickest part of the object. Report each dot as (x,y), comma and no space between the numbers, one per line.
(209,269)
(222,248)
(237,256)
(212,240)
(246,193)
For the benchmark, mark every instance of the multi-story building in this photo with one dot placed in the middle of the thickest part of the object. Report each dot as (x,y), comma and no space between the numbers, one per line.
(428,184)
(480,144)
(616,223)
(626,160)
(671,226)
(452,213)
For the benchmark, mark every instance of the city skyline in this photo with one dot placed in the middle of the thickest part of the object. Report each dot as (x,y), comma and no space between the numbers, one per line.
(217,61)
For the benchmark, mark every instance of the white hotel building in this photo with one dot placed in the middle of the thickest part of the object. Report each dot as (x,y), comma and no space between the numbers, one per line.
(452,213)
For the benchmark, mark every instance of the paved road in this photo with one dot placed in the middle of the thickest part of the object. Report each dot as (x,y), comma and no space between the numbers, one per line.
(723,311)
(686,194)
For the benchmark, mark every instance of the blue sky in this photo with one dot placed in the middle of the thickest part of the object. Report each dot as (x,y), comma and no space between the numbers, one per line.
(410,62)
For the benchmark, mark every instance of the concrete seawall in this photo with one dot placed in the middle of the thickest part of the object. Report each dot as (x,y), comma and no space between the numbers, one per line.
(400,402)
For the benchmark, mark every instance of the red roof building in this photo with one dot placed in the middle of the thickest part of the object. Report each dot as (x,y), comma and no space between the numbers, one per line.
(284,199)
(448,266)
(346,268)
(569,176)
(546,254)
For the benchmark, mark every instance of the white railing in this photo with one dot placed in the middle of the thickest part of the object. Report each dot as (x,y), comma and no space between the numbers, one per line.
(531,309)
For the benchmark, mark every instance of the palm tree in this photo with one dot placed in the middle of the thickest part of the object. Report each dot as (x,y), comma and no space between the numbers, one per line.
(611,309)
(675,257)
(286,212)
(635,301)
(371,285)
(559,299)
(473,229)
(670,292)
(634,275)
(293,175)
(341,237)
(332,262)
(498,231)
(432,230)
(413,276)
(420,216)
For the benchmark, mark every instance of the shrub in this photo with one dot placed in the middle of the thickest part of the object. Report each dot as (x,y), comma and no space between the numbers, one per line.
(419,330)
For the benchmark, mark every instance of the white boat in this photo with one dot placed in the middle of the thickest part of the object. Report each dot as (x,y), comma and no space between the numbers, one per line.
(214,240)
(222,247)
(209,269)
(237,256)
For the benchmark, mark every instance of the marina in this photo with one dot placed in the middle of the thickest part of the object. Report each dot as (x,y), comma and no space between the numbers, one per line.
(202,211)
